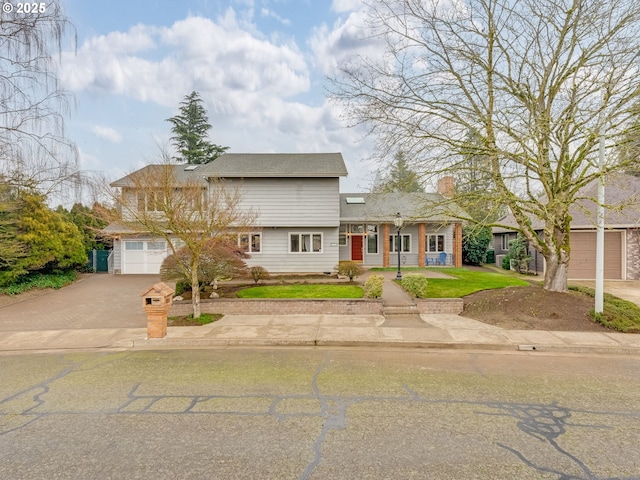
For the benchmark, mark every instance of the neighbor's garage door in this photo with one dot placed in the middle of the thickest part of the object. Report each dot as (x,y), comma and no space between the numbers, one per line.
(583,255)
(143,256)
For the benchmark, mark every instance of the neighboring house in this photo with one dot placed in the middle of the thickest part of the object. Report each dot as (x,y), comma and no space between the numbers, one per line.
(622,232)
(302,223)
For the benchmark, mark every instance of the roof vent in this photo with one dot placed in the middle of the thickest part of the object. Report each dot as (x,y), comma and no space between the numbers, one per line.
(189,168)
(355,200)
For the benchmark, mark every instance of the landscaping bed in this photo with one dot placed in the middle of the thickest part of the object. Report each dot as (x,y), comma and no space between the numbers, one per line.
(533,308)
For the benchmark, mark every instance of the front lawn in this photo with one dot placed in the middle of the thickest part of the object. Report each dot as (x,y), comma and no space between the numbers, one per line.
(468,281)
(302,291)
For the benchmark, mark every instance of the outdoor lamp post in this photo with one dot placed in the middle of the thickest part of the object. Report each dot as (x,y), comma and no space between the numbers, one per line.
(398,223)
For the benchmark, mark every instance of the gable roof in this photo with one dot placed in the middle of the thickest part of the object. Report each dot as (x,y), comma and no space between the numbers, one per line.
(383,207)
(180,172)
(276,165)
(622,205)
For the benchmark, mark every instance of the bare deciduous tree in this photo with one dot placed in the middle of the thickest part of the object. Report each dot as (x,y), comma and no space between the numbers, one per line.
(186,210)
(33,147)
(535,80)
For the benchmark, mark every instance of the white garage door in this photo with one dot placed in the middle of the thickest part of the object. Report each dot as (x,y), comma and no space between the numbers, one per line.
(582,264)
(143,256)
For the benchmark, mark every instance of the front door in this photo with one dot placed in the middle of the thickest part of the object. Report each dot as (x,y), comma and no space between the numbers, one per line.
(356,248)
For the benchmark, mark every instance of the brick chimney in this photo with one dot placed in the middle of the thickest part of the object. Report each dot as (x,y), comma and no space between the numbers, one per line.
(445,186)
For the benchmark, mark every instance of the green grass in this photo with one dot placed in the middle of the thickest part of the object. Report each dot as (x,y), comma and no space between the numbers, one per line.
(302,291)
(617,314)
(467,282)
(40,280)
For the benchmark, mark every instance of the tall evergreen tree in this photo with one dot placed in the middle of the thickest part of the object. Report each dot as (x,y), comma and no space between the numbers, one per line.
(190,128)
(400,177)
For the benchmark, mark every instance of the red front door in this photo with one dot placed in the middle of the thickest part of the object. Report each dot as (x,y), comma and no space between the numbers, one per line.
(356,248)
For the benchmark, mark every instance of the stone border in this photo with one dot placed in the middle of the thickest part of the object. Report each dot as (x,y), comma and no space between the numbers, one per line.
(294,306)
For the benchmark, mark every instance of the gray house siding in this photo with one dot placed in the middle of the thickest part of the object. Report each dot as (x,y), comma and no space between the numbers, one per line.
(291,202)
(276,257)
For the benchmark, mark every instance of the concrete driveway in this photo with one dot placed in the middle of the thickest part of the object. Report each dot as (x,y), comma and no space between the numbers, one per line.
(94,301)
(625,289)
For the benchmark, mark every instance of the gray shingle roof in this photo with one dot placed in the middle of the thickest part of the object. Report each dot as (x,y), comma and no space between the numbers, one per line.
(622,200)
(180,174)
(383,207)
(276,165)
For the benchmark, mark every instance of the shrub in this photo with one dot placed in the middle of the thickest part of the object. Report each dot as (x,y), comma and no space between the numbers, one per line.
(475,242)
(373,286)
(259,273)
(349,269)
(506,262)
(519,254)
(415,284)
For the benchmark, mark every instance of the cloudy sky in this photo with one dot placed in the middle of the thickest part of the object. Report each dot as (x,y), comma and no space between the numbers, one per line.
(259,65)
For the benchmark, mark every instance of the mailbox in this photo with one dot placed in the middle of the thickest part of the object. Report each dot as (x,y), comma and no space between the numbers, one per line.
(156,302)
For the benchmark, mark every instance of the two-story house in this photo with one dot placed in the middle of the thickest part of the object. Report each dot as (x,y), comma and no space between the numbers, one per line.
(302,223)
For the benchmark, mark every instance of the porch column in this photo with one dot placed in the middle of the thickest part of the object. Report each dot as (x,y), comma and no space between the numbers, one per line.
(385,245)
(422,245)
(457,245)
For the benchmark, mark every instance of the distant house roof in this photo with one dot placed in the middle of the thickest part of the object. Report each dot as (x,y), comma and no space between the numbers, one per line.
(383,207)
(276,165)
(622,206)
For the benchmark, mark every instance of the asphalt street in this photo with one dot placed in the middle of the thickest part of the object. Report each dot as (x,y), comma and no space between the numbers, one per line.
(314,413)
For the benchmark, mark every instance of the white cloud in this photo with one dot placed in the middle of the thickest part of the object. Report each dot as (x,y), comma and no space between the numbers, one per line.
(265,12)
(347,38)
(341,6)
(219,58)
(107,133)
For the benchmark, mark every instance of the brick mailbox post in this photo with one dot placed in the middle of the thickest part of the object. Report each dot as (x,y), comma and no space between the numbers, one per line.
(157,301)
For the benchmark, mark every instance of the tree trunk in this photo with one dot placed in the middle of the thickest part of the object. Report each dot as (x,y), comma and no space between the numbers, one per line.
(555,275)
(195,291)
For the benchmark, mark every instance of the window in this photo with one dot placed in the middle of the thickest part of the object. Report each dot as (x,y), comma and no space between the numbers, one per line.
(134,245)
(372,239)
(158,245)
(151,201)
(505,241)
(435,243)
(342,235)
(305,242)
(405,243)
(250,242)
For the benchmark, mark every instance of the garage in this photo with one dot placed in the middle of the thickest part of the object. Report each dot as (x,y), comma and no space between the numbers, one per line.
(143,256)
(583,255)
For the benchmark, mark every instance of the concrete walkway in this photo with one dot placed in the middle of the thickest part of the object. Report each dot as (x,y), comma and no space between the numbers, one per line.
(111,317)
(444,331)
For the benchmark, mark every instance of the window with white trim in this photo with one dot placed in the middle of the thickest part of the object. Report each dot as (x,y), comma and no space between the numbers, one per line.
(250,242)
(151,201)
(156,245)
(505,241)
(305,243)
(129,245)
(435,243)
(342,235)
(405,242)
(372,239)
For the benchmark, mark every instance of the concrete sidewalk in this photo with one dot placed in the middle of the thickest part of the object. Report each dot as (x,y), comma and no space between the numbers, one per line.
(438,331)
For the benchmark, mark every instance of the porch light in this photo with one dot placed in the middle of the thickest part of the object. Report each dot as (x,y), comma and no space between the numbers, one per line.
(398,222)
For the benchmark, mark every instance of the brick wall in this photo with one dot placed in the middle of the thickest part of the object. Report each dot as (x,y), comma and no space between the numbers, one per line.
(238,306)
(440,305)
(633,254)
